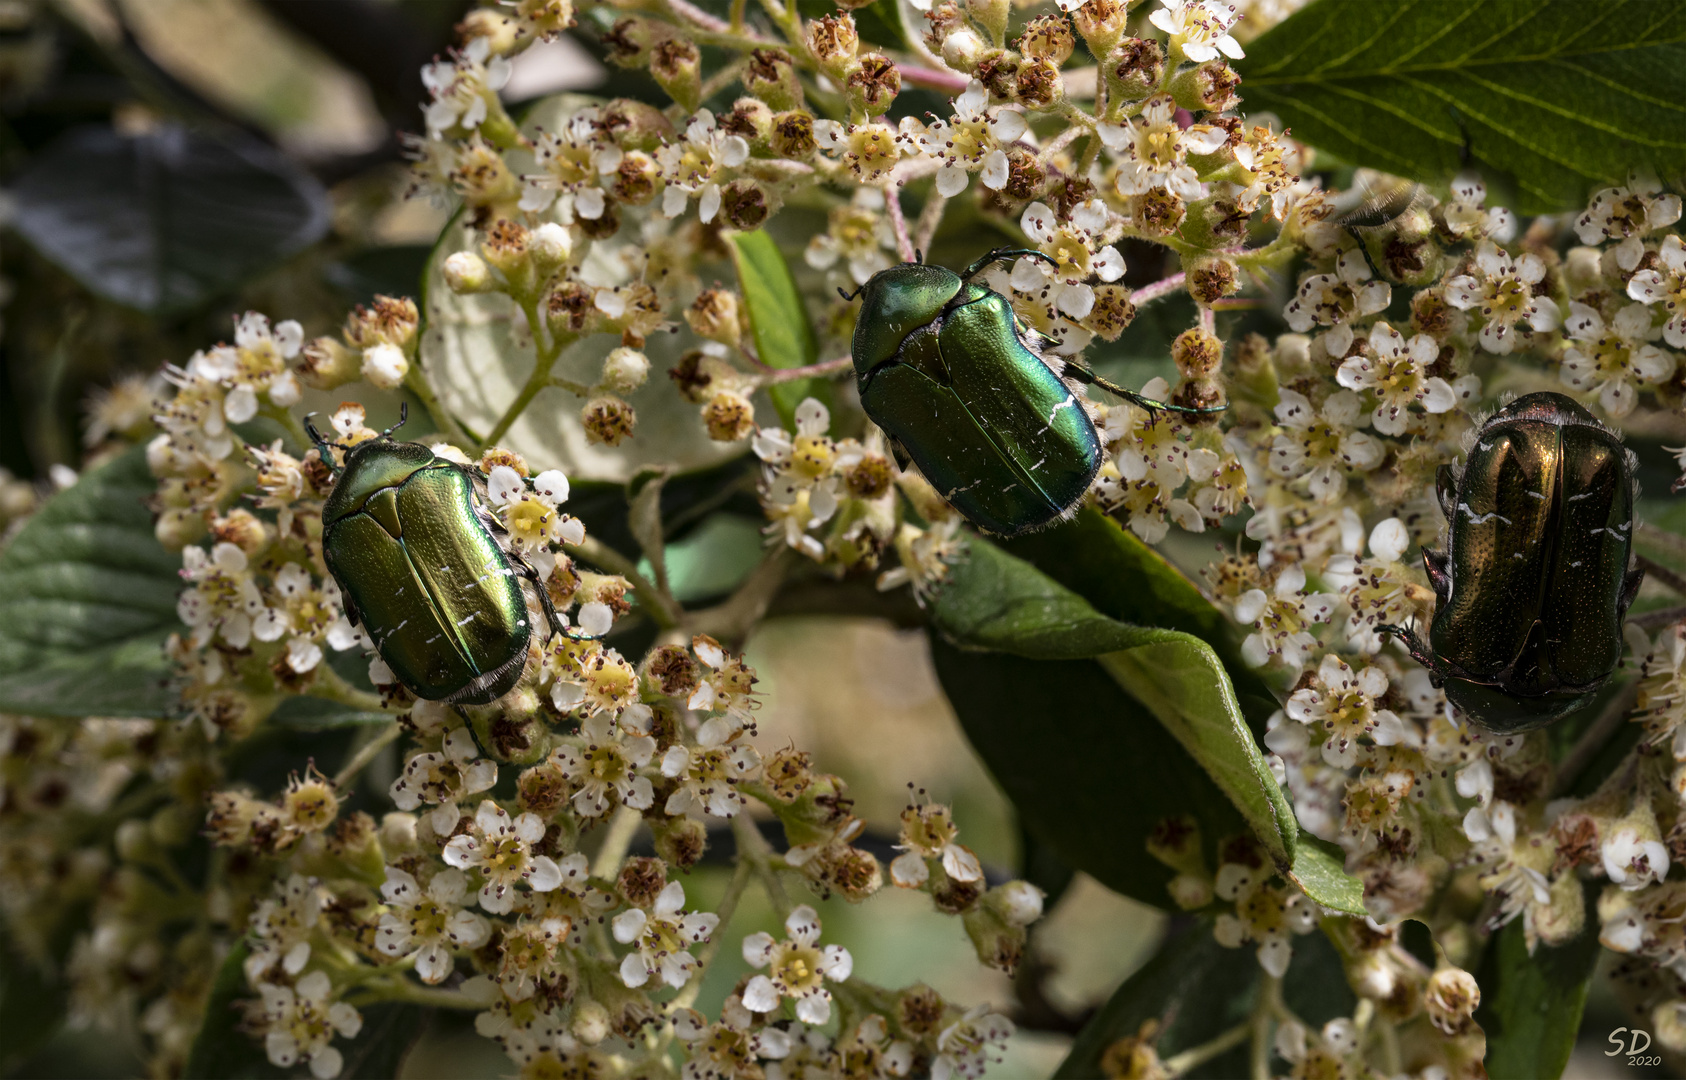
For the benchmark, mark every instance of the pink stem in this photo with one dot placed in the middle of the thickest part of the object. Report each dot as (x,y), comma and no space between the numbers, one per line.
(932,79)
(700,17)
(904,246)
(772,375)
(1161,288)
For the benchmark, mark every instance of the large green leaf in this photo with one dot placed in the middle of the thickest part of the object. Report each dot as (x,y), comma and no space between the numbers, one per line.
(1194,987)
(471,353)
(1555,96)
(777,320)
(87,595)
(32,1006)
(1110,567)
(1531,1004)
(1320,874)
(164,220)
(1094,754)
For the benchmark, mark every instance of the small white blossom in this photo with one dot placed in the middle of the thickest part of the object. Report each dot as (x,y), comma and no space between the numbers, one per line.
(797,968)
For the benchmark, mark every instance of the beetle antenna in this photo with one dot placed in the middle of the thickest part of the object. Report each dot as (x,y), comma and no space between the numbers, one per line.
(919,256)
(322,445)
(403,418)
(849,297)
(999,254)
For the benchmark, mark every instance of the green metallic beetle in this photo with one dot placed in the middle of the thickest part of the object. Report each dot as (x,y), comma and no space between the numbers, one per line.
(948,371)
(414,552)
(1536,577)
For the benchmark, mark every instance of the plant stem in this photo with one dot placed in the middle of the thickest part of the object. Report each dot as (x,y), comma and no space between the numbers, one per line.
(331,686)
(1592,740)
(1653,620)
(771,376)
(1264,1010)
(662,608)
(1657,572)
(732,620)
(727,907)
(1178,1064)
(893,202)
(1161,288)
(932,79)
(286,419)
(622,828)
(925,230)
(417,382)
(365,754)
(754,847)
(544,358)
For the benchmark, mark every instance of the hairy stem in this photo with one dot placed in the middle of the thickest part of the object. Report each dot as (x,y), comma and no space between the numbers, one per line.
(544,358)
(365,754)
(661,607)
(417,382)
(1158,290)
(622,828)
(1194,1056)
(1264,1012)
(893,202)
(705,955)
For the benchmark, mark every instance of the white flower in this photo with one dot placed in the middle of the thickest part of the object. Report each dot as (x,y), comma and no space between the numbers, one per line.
(224,599)
(972,140)
(1153,149)
(1344,709)
(709,772)
(1200,28)
(532,516)
(454,772)
(1632,861)
(928,832)
(1397,376)
(1610,360)
(1504,294)
(1281,618)
(693,165)
(430,924)
(1665,284)
(797,968)
(501,849)
(299,1023)
(1628,213)
(607,767)
(663,938)
(1320,446)
(1332,299)
(965,1047)
(281,927)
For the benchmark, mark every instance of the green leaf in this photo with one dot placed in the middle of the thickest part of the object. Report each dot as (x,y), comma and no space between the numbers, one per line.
(32,1006)
(1553,96)
(320,714)
(221,1051)
(165,220)
(1194,987)
(1110,567)
(1531,1004)
(477,367)
(87,595)
(777,320)
(1074,742)
(1321,874)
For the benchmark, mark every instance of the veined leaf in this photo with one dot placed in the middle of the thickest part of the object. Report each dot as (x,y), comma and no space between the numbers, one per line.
(1321,876)
(1531,1003)
(1070,731)
(1555,96)
(164,220)
(777,320)
(87,595)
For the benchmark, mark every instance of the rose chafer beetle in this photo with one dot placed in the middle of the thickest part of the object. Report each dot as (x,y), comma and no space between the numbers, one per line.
(414,550)
(1536,577)
(947,370)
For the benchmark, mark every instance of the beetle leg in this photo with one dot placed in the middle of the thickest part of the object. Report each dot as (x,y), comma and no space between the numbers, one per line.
(998,254)
(526,570)
(1630,589)
(1082,374)
(1413,643)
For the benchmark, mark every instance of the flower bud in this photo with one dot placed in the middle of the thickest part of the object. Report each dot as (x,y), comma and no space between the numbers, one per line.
(1196,353)
(788,773)
(998,943)
(1038,84)
(963,50)
(1134,69)
(729,416)
(1190,891)
(770,75)
(630,41)
(1048,37)
(624,370)
(681,841)
(1112,312)
(506,249)
(745,204)
(385,366)
(677,65)
(873,84)
(641,880)
(714,315)
(1017,902)
(241,528)
(1158,211)
(607,420)
(1209,87)
(792,135)
(1101,22)
(750,119)
(178,527)
(500,31)
(551,245)
(991,15)
(591,1022)
(398,833)
(465,272)
(1210,280)
(1451,998)
(834,42)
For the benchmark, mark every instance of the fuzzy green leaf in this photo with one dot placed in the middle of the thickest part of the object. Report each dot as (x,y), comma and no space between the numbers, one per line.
(87,595)
(1531,1004)
(1070,732)
(1320,875)
(777,320)
(165,220)
(1194,988)
(1555,97)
